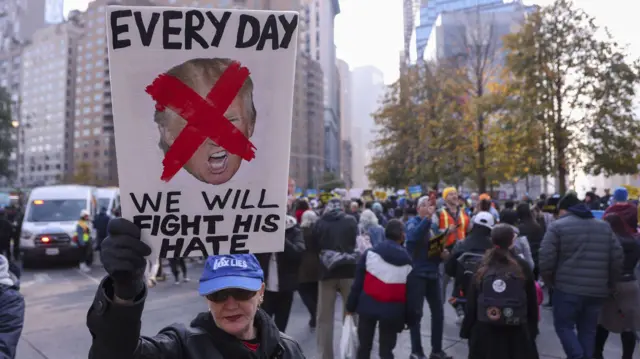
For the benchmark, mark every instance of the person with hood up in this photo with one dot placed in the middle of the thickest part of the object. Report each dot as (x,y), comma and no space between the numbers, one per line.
(620,313)
(378,294)
(334,241)
(281,274)
(378,209)
(11,310)
(465,258)
(370,226)
(521,243)
(100,224)
(234,326)
(581,260)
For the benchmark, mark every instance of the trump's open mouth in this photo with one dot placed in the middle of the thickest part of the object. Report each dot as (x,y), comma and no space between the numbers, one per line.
(218,162)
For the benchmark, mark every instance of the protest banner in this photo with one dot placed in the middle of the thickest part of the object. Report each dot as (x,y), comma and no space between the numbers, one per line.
(202,103)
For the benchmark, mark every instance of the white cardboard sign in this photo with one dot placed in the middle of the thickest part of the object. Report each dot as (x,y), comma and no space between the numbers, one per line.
(202,106)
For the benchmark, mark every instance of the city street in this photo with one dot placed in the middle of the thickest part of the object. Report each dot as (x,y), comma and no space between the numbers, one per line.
(58,299)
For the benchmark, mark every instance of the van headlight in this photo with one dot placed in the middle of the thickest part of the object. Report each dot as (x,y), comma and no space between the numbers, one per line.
(25,234)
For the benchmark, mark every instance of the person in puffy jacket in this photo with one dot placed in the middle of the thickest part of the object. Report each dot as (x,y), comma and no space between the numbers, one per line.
(233,327)
(11,311)
(379,292)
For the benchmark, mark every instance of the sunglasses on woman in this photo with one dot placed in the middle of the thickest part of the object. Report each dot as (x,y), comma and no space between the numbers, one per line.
(240,295)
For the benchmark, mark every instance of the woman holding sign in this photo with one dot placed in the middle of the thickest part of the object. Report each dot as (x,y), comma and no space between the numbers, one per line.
(233,288)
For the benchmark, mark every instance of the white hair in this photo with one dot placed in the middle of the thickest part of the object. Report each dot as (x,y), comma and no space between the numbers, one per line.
(422,201)
(309,218)
(368,218)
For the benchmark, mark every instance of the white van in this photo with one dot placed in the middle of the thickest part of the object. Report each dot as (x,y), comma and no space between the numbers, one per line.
(50,220)
(109,198)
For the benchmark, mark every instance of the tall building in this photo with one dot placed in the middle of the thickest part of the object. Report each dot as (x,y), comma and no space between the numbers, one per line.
(344,76)
(368,83)
(19,20)
(319,44)
(54,11)
(94,142)
(429,12)
(47,107)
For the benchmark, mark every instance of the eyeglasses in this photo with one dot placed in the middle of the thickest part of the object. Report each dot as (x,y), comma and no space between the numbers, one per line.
(240,295)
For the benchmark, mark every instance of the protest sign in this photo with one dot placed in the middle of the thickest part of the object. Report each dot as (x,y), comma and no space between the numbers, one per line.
(202,103)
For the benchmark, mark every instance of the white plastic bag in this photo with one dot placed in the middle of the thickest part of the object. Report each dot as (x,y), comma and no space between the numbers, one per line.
(349,339)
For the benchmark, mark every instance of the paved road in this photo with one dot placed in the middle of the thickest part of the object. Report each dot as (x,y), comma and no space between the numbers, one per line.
(58,299)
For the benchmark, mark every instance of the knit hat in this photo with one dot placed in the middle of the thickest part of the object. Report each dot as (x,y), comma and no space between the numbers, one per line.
(484,196)
(551,204)
(447,191)
(569,200)
(620,194)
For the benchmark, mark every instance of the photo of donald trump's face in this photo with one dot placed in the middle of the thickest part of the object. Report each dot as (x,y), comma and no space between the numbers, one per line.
(210,163)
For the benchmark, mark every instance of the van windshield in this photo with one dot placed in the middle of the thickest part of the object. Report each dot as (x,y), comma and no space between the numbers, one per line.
(103,203)
(56,210)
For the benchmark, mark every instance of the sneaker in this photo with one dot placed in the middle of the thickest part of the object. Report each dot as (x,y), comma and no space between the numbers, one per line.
(417,356)
(459,320)
(177,282)
(441,355)
(85,268)
(185,279)
(151,282)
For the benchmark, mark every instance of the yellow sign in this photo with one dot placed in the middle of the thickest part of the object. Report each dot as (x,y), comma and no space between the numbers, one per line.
(634,192)
(381,195)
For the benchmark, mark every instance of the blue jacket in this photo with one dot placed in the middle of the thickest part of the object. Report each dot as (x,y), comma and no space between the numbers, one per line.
(11,320)
(380,286)
(418,234)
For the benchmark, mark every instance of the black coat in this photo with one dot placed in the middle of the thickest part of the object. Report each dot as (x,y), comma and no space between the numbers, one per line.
(288,261)
(534,233)
(115,332)
(487,341)
(310,260)
(335,231)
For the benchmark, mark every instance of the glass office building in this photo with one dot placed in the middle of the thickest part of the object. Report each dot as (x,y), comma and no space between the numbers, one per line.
(429,14)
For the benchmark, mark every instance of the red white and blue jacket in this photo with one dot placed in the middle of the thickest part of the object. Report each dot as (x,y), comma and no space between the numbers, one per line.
(380,286)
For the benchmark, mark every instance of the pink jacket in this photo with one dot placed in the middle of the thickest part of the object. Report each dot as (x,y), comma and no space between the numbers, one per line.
(540,295)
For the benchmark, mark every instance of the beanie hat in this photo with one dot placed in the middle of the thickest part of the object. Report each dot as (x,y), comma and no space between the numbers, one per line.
(447,191)
(569,200)
(551,204)
(620,194)
(484,196)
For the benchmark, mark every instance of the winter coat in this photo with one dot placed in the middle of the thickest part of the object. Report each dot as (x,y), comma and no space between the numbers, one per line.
(488,341)
(580,254)
(115,332)
(308,272)
(335,231)
(418,235)
(288,260)
(100,223)
(12,319)
(534,233)
(380,286)
(478,241)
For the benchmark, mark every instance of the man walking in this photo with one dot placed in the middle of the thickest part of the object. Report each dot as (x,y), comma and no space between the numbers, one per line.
(580,259)
(334,239)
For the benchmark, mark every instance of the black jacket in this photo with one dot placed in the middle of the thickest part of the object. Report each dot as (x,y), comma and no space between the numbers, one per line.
(115,330)
(100,223)
(476,242)
(534,233)
(288,261)
(336,231)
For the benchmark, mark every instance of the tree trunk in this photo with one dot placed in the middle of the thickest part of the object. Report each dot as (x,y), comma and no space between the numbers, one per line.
(560,145)
(480,172)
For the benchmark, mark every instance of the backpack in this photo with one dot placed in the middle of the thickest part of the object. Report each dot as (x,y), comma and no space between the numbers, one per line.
(363,241)
(502,299)
(468,264)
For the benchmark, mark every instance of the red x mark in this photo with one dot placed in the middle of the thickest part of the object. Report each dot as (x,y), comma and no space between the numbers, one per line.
(205,117)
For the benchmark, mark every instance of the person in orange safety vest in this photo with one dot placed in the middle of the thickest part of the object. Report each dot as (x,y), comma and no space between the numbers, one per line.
(453,217)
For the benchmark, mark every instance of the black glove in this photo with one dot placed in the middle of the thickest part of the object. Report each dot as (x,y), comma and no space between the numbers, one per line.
(123,256)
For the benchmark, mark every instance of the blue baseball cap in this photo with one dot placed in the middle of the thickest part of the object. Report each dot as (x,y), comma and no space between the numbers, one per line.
(231,271)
